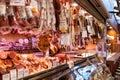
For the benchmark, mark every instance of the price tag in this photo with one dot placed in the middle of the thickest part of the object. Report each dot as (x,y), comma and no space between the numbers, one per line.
(20,73)
(70,64)
(65,39)
(17,2)
(54,64)
(2,8)
(6,77)
(13,74)
(26,72)
(57,63)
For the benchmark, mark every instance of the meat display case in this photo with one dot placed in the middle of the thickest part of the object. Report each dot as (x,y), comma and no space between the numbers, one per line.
(59,71)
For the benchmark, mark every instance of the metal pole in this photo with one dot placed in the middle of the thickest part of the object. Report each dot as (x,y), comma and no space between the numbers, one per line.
(105,40)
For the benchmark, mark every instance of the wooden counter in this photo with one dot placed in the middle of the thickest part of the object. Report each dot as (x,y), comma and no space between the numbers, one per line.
(112,62)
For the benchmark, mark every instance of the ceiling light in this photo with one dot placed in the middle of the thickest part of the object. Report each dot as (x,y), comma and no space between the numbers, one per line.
(110,27)
(74,4)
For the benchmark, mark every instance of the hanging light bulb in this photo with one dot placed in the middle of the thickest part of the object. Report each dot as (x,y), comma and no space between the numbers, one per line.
(74,4)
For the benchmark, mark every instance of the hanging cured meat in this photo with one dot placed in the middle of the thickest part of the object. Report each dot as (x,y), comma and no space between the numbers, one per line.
(3,17)
(21,16)
(11,17)
(56,4)
(27,2)
(30,16)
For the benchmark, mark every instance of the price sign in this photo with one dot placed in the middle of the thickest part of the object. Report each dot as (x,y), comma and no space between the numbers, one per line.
(26,72)
(17,2)
(54,63)
(2,8)
(65,39)
(13,74)
(6,77)
(20,73)
(70,64)
(63,24)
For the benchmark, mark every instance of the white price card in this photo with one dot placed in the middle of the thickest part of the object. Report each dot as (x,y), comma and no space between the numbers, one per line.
(17,2)
(20,73)
(6,77)
(70,64)
(26,72)
(65,39)
(13,74)
(54,63)
(2,8)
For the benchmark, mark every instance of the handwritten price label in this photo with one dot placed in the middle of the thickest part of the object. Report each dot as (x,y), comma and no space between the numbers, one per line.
(70,64)
(17,2)
(26,72)
(13,74)
(20,73)
(6,77)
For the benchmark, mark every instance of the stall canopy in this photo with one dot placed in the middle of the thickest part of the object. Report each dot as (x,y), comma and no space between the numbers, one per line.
(95,8)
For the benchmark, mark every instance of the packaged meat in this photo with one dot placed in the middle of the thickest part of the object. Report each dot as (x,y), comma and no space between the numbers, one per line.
(2,65)
(3,71)
(3,55)
(20,66)
(11,54)
(8,63)
(15,61)
(44,64)
(62,57)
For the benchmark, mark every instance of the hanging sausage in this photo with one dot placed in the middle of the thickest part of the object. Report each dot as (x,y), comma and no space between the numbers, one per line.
(57,7)
(11,17)
(30,17)
(63,19)
(3,17)
(21,16)
(50,15)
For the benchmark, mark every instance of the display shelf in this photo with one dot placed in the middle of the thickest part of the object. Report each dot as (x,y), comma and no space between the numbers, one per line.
(57,72)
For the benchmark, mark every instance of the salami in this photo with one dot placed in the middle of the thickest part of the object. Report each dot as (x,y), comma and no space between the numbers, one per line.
(57,7)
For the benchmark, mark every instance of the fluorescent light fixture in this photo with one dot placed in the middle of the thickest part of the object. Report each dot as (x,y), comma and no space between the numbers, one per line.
(74,4)
(90,16)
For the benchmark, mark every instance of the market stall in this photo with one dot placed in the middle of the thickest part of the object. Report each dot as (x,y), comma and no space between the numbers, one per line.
(43,39)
